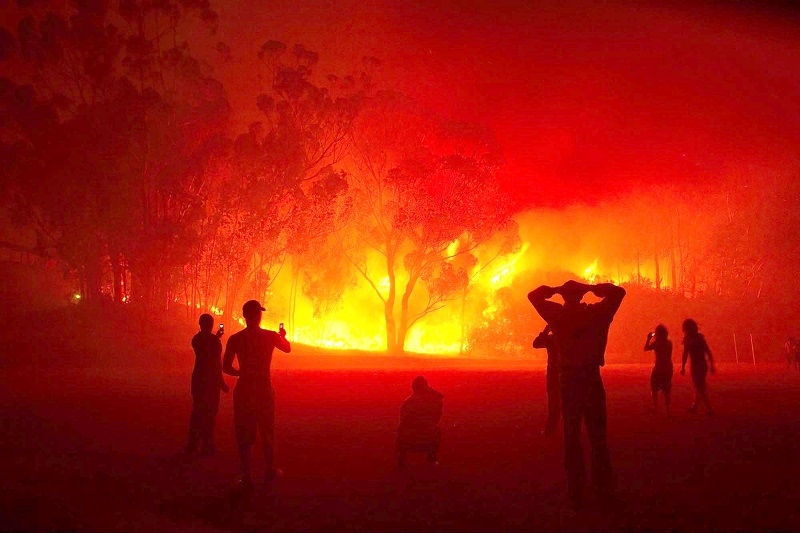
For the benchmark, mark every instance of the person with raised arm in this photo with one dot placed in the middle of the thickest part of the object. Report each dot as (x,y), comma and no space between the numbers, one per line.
(207,382)
(253,396)
(661,377)
(581,332)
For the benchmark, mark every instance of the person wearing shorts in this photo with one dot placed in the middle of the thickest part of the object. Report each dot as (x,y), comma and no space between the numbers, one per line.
(253,396)
(207,382)
(661,377)
(696,348)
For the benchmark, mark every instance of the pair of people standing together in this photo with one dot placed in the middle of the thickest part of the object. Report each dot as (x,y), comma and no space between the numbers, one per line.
(253,396)
(695,349)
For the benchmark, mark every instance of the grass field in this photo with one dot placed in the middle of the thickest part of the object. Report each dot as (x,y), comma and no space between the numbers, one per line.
(91,450)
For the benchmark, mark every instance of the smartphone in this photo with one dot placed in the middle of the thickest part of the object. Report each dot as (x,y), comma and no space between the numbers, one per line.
(222,326)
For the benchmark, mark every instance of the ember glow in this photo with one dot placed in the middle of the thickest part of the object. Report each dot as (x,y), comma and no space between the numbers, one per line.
(403,194)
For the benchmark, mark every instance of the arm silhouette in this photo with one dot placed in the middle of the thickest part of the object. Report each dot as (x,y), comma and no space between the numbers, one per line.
(218,365)
(281,343)
(648,344)
(611,294)
(684,358)
(710,359)
(541,339)
(540,298)
(227,359)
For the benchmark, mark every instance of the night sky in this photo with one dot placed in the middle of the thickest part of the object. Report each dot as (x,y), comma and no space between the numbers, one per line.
(588,101)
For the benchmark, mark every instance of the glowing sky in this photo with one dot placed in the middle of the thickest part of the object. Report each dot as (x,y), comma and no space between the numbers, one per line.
(586,99)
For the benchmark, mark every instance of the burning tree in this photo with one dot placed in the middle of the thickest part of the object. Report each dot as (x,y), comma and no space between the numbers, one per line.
(425,194)
(281,183)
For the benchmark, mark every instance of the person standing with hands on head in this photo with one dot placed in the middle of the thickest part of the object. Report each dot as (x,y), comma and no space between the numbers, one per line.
(581,332)
(696,348)
(253,396)
(547,340)
(661,377)
(207,382)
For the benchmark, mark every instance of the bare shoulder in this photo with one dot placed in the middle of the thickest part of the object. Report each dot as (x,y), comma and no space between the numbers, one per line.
(234,339)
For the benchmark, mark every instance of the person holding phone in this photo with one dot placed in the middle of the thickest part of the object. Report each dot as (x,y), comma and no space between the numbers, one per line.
(207,382)
(661,377)
(253,396)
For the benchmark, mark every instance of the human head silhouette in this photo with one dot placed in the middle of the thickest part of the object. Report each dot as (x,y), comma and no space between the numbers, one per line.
(661,331)
(690,327)
(251,311)
(206,322)
(572,292)
(419,384)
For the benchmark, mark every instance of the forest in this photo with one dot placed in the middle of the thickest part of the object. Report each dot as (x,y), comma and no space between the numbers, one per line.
(359,215)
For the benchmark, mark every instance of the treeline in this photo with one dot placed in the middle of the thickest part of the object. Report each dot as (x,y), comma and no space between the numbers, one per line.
(118,148)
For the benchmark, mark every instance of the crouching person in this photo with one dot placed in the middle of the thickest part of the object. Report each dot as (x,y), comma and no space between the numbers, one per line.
(419,422)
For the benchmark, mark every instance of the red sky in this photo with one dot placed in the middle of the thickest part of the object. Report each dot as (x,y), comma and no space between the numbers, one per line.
(587,100)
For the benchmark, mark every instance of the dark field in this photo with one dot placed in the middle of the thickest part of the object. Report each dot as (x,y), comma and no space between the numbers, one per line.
(89,451)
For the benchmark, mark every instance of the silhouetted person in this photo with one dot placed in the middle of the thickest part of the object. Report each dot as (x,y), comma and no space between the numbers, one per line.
(581,332)
(791,351)
(661,377)
(794,355)
(207,382)
(420,414)
(547,340)
(253,396)
(696,348)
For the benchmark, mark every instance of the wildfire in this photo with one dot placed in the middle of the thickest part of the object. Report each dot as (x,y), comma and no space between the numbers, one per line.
(590,272)
(503,275)
(356,320)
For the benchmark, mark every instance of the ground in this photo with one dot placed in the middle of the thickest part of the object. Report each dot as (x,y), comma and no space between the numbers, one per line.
(98,449)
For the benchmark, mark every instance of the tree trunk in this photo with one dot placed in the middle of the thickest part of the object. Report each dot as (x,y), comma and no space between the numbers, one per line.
(388,305)
(463,324)
(232,289)
(117,271)
(402,330)
(638,269)
(658,272)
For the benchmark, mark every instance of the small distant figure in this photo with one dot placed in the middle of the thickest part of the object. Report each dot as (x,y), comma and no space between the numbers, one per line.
(797,355)
(581,332)
(661,377)
(547,340)
(418,430)
(253,396)
(793,353)
(696,348)
(207,382)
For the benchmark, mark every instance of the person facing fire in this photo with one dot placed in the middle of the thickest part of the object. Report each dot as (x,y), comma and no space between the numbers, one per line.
(418,430)
(581,332)
(661,377)
(253,396)
(207,382)
(696,348)
(547,340)
(797,355)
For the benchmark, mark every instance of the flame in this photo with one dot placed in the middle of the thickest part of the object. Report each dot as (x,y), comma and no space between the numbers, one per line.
(590,272)
(356,319)
(503,275)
